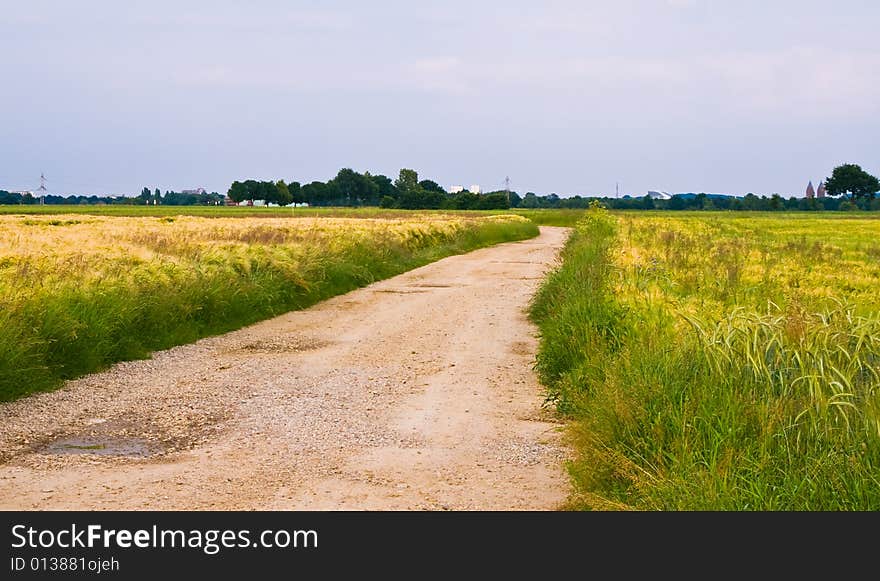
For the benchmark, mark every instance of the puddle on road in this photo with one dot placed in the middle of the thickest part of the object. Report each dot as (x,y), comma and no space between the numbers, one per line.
(515,262)
(399,291)
(130,447)
(284,343)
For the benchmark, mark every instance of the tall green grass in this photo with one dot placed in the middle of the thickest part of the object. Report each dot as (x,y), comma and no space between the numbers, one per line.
(742,403)
(57,327)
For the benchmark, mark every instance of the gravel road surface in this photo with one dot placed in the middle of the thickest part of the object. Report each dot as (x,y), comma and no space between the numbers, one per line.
(414,393)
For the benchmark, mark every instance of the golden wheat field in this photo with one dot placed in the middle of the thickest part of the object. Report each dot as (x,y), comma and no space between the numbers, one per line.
(78,292)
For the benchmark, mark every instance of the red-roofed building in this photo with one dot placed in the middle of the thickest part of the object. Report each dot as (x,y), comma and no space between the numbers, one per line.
(811,193)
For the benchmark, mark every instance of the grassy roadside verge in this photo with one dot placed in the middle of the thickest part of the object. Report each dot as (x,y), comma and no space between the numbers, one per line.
(701,373)
(77,295)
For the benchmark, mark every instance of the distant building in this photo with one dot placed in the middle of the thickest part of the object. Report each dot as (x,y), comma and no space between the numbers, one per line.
(821,193)
(659,195)
(456,189)
(197,191)
(811,193)
(474,189)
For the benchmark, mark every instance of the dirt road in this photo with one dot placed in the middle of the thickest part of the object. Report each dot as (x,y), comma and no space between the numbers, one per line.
(413,393)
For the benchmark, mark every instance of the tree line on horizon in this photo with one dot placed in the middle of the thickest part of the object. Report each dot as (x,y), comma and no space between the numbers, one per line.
(351,188)
(848,188)
(857,188)
(146,197)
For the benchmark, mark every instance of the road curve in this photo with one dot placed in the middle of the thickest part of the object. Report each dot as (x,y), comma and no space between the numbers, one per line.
(414,393)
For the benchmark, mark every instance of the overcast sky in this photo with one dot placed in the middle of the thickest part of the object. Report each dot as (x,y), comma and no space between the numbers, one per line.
(569,96)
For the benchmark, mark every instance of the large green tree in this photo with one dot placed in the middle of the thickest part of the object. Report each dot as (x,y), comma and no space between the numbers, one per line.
(407,181)
(355,188)
(851,179)
(237,192)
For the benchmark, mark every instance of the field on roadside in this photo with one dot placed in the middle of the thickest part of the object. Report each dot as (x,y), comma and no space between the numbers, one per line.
(81,291)
(538,216)
(718,362)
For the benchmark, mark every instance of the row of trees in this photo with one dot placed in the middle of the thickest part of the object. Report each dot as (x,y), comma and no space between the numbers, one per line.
(749,202)
(146,197)
(857,189)
(170,198)
(351,188)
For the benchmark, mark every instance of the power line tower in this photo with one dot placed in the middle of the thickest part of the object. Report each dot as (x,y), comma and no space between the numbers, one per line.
(507,189)
(617,189)
(42,189)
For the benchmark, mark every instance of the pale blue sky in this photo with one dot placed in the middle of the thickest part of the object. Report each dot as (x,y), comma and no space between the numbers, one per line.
(562,96)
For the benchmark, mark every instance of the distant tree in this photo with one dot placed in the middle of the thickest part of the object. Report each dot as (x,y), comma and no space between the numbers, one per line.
(530,200)
(463,200)
(266,191)
(9,198)
(143,198)
(355,189)
(431,186)
(369,194)
(407,181)
(751,202)
(296,195)
(676,202)
(387,202)
(282,193)
(492,201)
(411,195)
(237,192)
(252,190)
(157,196)
(318,193)
(384,186)
(347,183)
(851,179)
(413,199)
(776,203)
(433,200)
(515,200)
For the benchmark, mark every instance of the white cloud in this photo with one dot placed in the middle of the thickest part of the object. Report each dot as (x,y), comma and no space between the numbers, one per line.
(803,82)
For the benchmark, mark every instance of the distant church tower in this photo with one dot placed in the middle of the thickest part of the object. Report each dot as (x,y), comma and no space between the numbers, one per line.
(820,193)
(811,193)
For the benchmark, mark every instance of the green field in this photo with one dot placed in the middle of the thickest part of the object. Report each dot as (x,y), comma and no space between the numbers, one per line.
(718,361)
